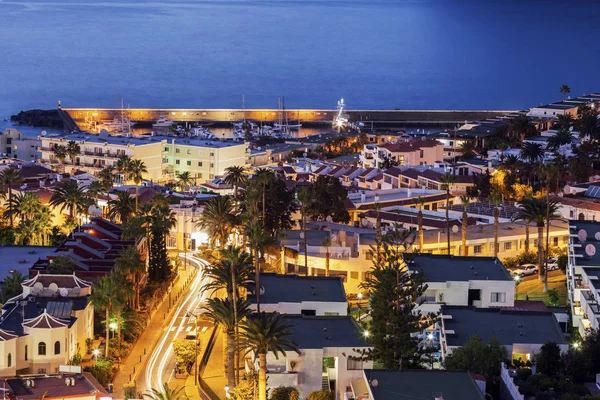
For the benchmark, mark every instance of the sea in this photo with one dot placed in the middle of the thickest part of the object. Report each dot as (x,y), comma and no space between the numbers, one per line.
(376,54)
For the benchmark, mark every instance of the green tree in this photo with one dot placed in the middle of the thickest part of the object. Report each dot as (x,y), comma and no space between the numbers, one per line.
(237,177)
(478,357)
(258,239)
(68,194)
(447,180)
(263,177)
(161,219)
(102,300)
(184,179)
(262,334)
(73,149)
(185,353)
(11,286)
(548,359)
(131,264)
(326,243)
(321,395)
(219,219)
(285,393)
(60,153)
(328,199)
(564,90)
(465,200)
(124,166)
(166,393)
(304,199)
(234,265)
(531,152)
(395,296)
(121,207)
(101,370)
(106,176)
(10,177)
(61,265)
(94,189)
(137,169)
(121,294)
(561,138)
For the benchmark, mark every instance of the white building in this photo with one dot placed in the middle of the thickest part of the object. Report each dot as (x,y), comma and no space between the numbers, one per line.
(14,145)
(46,325)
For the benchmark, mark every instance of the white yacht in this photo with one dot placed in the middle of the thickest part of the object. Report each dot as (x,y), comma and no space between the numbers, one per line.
(162,123)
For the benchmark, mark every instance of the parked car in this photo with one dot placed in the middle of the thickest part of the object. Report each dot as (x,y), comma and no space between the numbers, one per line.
(553,264)
(525,270)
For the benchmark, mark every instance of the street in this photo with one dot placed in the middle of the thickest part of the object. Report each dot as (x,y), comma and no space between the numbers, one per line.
(160,366)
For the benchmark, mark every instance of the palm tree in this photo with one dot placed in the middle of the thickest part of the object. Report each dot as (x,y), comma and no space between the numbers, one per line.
(227,313)
(496,198)
(540,211)
(531,152)
(102,299)
(447,180)
(467,149)
(130,263)
(122,207)
(258,239)
(137,169)
(419,202)
(304,198)
(184,179)
(219,219)
(235,176)
(166,393)
(327,243)
(11,286)
(106,176)
(465,200)
(122,292)
(123,167)
(8,178)
(377,209)
(564,121)
(565,90)
(60,153)
(589,125)
(520,128)
(264,176)
(234,266)
(94,189)
(69,194)
(561,138)
(73,149)
(262,334)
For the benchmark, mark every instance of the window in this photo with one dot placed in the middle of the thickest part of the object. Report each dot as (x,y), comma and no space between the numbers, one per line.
(176,150)
(199,163)
(25,352)
(57,347)
(42,349)
(498,297)
(41,370)
(354,364)
(477,249)
(189,163)
(368,255)
(507,245)
(354,275)
(166,149)
(555,240)
(331,314)
(212,154)
(421,155)
(212,165)
(189,151)
(177,162)
(199,175)
(211,176)
(9,360)
(581,216)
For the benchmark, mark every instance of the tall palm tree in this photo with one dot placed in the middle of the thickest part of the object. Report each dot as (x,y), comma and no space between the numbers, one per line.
(540,211)
(561,138)
(219,219)
(264,176)
(564,121)
(122,207)
(162,220)
(166,393)
(106,176)
(131,264)
(123,291)
(234,266)
(304,199)
(8,178)
(184,179)
(565,90)
(226,313)
(496,198)
(258,238)
(94,189)
(447,180)
(69,194)
(465,200)
(137,169)
(60,153)
(419,202)
(123,167)
(262,334)
(531,152)
(327,243)
(73,149)
(235,176)
(102,299)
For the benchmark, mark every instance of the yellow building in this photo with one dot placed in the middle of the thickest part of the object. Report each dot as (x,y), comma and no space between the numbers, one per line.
(46,325)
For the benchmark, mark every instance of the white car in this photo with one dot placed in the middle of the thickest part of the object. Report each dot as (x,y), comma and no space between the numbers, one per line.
(553,264)
(525,270)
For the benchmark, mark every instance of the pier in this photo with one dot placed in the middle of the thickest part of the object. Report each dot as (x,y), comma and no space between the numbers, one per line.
(81,116)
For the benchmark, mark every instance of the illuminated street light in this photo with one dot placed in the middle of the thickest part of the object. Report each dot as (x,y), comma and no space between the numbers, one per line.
(576,345)
(113,326)
(227,391)
(430,336)
(360,296)
(366,334)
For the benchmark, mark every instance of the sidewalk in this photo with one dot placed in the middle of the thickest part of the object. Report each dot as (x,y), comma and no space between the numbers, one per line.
(213,375)
(152,333)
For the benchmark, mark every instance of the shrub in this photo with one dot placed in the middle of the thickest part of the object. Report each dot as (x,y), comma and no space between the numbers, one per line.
(523,374)
(321,395)
(285,393)
(563,260)
(101,370)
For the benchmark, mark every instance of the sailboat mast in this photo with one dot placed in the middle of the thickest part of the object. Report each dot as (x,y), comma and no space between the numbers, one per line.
(244,105)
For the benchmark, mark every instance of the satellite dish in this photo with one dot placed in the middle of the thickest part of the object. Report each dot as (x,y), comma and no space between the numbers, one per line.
(364,222)
(304,155)
(333,238)
(53,287)
(567,189)
(76,291)
(374,383)
(455,228)
(590,249)
(597,236)
(44,133)
(582,235)
(573,191)
(37,288)
(63,292)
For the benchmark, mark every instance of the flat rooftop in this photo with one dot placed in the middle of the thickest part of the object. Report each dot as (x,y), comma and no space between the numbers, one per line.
(85,384)
(143,140)
(21,258)
(422,384)
(320,332)
(586,242)
(296,289)
(507,326)
(448,268)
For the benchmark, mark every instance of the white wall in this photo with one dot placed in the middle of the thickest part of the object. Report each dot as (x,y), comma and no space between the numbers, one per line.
(321,308)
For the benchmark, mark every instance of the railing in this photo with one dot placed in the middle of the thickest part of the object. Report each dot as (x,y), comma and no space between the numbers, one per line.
(513,390)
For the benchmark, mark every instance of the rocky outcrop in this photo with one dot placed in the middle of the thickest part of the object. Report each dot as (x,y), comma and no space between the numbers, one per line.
(39,118)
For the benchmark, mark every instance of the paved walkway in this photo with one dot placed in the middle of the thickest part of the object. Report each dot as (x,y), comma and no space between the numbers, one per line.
(131,368)
(213,375)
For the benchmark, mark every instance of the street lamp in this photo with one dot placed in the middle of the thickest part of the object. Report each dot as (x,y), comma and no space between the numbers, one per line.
(96,352)
(366,334)
(227,391)
(517,279)
(185,237)
(360,297)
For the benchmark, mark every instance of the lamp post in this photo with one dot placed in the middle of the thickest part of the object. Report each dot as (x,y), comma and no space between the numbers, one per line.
(517,279)
(360,297)
(185,236)
(227,392)
(96,352)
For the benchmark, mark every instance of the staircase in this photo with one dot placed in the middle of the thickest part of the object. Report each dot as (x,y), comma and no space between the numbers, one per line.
(325,382)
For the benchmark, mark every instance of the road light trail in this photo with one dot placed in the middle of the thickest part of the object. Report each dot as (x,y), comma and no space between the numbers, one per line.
(163,351)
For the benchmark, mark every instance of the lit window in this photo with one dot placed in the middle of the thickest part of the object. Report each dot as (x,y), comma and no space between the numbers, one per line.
(498,297)
(477,249)
(507,245)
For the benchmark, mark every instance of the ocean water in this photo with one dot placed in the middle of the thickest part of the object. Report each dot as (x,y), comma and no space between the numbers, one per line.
(419,54)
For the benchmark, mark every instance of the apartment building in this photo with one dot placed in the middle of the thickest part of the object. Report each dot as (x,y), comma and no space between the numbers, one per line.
(414,152)
(14,145)
(46,325)
(164,156)
(568,106)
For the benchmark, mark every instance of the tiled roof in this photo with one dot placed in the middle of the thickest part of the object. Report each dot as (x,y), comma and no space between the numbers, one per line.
(62,281)
(45,321)
(4,336)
